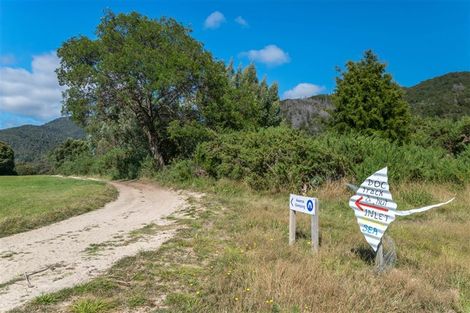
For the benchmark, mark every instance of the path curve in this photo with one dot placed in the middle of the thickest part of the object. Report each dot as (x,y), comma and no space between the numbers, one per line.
(77,249)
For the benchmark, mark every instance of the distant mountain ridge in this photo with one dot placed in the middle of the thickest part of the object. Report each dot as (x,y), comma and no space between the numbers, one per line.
(443,96)
(31,143)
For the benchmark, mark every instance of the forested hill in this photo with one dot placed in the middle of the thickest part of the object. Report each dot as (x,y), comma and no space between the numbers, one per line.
(443,96)
(31,143)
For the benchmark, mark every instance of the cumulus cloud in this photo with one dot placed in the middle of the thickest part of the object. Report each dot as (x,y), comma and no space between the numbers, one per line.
(214,20)
(270,55)
(303,90)
(240,20)
(34,94)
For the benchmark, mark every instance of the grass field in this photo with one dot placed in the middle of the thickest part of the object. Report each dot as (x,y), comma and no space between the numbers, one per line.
(232,256)
(28,202)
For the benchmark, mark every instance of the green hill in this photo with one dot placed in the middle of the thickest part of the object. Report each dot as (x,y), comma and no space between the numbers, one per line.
(31,143)
(443,96)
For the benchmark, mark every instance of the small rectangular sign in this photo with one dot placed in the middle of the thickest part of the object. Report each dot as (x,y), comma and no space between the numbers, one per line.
(302,204)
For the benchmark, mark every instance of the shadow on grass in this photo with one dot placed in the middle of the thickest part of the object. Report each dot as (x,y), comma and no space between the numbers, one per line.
(365,254)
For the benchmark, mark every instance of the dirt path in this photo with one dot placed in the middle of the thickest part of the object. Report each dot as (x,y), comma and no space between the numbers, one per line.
(77,249)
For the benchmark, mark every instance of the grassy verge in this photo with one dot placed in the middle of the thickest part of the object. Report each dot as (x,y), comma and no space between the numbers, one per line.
(232,256)
(28,202)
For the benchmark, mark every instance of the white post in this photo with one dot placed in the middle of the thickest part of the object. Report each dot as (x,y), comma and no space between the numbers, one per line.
(292,227)
(315,227)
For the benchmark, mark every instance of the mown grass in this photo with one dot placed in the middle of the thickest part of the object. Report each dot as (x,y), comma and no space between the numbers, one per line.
(28,202)
(233,256)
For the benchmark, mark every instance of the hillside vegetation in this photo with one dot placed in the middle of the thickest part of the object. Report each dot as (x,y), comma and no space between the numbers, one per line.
(446,96)
(31,143)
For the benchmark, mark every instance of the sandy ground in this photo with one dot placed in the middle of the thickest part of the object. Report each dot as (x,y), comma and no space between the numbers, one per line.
(80,248)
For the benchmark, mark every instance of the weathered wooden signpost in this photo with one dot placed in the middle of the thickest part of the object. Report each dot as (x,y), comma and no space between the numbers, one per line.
(375,210)
(309,206)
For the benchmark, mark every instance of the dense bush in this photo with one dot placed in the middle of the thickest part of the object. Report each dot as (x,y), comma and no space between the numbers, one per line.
(452,135)
(7,159)
(76,157)
(272,157)
(37,168)
(186,136)
(279,158)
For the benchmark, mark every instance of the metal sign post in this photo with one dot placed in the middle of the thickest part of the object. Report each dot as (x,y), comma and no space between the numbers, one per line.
(305,205)
(379,257)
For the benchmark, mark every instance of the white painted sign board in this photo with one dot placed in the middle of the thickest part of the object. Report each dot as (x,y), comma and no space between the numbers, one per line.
(302,204)
(375,209)
(307,205)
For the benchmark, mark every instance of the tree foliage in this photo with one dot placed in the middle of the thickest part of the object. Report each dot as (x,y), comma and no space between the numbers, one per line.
(7,159)
(367,99)
(70,150)
(145,70)
(141,76)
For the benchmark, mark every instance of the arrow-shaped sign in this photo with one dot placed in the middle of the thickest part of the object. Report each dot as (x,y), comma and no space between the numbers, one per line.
(372,223)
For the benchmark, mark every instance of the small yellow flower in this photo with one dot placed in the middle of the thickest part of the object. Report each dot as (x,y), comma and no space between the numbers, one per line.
(197,292)
(271,301)
(236,299)
(247,289)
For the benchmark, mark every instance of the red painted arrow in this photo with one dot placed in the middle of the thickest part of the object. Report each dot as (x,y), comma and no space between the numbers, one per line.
(358,204)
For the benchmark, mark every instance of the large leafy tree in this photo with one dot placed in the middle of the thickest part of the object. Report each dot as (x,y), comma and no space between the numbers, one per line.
(367,99)
(7,159)
(138,72)
(257,103)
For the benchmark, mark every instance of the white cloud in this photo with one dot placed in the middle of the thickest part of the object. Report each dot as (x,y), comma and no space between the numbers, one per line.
(303,90)
(7,59)
(270,55)
(214,20)
(240,20)
(34,94)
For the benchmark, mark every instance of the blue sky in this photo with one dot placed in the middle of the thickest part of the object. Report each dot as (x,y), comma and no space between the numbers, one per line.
(295,43)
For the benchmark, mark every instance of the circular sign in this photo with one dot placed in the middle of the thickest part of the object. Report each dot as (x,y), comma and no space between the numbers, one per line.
(310,205)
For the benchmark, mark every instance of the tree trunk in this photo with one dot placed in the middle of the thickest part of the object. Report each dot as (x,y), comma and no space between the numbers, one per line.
(153,145)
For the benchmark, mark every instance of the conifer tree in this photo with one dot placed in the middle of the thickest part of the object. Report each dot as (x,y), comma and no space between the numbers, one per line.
(367,99)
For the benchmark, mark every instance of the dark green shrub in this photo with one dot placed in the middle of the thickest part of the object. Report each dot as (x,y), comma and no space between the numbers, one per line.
(186,136)
(69,151)
(452,135)
(282,158)
(118,163)
(26,169)
(7,160)
(270,158)
(367,154)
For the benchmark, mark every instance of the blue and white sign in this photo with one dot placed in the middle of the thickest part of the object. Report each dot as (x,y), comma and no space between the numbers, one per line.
(302,204)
